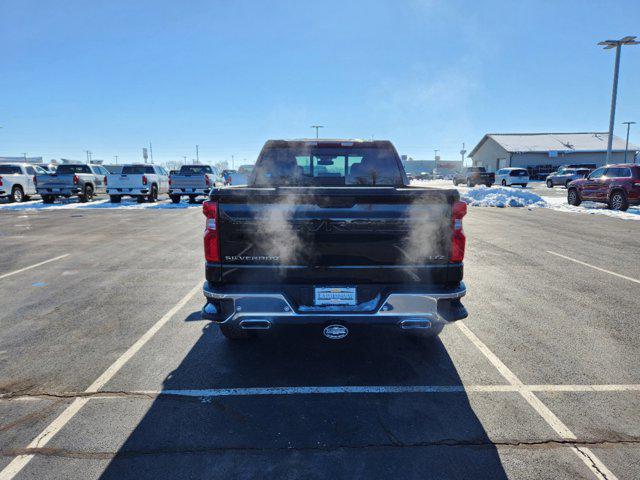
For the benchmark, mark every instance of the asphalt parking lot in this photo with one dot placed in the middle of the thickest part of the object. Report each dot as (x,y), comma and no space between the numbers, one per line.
(106,370)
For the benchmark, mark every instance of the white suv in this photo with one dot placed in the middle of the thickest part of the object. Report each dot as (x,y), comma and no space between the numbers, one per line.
(17,180)
(508,177)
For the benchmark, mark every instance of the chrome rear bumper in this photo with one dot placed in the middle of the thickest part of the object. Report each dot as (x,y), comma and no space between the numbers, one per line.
(262,311)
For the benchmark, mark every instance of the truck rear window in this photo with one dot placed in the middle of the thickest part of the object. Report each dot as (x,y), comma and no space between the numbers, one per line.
(137,169)
(9,170)
(327,166)
(66,169)
(195,169)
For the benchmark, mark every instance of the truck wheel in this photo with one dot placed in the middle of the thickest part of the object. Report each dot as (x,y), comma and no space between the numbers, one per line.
(87,196)
(524,185)
(115,198)
(566,184)
(175,198)
(233,332)
(469,183)
(504,183)
(48,199)
(573,197)
(455,183)
(140,199)
(192,199)
(153,195)
(549,184)
(17,194)
(618,201)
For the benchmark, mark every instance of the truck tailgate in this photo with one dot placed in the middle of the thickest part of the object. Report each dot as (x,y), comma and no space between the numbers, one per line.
(307,235)
(124,181)
(54,180)
(179,181)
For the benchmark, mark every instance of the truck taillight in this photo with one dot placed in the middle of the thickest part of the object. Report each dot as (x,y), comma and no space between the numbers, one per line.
(144,179)
(458,240)
(169,181)
(75,179)
(0,181)
(105,180)
(207,181)
(211,233)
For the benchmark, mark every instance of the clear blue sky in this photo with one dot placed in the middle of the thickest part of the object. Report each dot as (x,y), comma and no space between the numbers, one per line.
(110,76)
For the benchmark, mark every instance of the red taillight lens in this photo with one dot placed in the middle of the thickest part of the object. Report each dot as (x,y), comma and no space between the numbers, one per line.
(211,240)
(105,180)
(0,181)
(207,181)
(458,240)
(75,179)
(144,179)
(169,181)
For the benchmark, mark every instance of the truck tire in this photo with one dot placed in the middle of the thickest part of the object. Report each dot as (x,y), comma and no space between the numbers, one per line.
(87,194)
(504,183)
(175,198)
(17,194)
(573,197)
(455,182)
(469,183)
(233,332)
(48,199)
(115,198)
(566,184)
(140,199)
(153,194)
(192,198)
(618,201)
(549,184)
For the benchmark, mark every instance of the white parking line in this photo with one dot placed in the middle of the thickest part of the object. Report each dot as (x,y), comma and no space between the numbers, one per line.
(594,267)
(18,463)
(585,454)
(5,275)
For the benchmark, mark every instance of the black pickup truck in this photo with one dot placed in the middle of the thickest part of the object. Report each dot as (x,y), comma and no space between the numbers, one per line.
(472,176)
(328,235)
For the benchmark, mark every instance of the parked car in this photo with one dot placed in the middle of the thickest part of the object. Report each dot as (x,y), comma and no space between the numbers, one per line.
(472,176)
(72,179)
(192,181)
(508,177)
(328,235)
(140,181)
(18,180)
(424,176)
(616,185)
(565,175)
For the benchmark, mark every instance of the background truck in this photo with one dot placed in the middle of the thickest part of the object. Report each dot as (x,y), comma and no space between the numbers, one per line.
(192,181)
(18,180)
(472,176)
(328,236)
(142,181)
(70,180)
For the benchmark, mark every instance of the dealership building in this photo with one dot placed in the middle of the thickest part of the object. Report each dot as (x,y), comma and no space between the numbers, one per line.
(542,153)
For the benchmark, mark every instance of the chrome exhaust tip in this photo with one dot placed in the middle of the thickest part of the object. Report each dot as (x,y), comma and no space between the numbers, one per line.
(414,323)
(257,324)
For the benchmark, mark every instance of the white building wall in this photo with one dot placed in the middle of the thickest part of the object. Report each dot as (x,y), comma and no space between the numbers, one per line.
(597,158)
(491,156)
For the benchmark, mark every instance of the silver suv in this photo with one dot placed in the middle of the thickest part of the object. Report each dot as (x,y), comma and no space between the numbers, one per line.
(565,175)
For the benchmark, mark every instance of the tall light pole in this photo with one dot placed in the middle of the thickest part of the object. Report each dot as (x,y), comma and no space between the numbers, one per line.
(88,152)
(151,151)
(116,157)
(617,44)
(197,154)
(626,145)
(317,127)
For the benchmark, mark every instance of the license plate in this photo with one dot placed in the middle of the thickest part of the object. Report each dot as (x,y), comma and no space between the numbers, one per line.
(335,296)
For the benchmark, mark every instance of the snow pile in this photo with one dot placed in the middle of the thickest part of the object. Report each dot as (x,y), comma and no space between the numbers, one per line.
(501,197)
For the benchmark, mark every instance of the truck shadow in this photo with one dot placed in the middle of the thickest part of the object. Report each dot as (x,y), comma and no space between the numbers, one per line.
(364,435)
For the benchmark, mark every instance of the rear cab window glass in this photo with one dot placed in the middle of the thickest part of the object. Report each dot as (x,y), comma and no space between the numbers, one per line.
(327,165)
(195,169)
(10,170)
(68,169)
(137,169)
